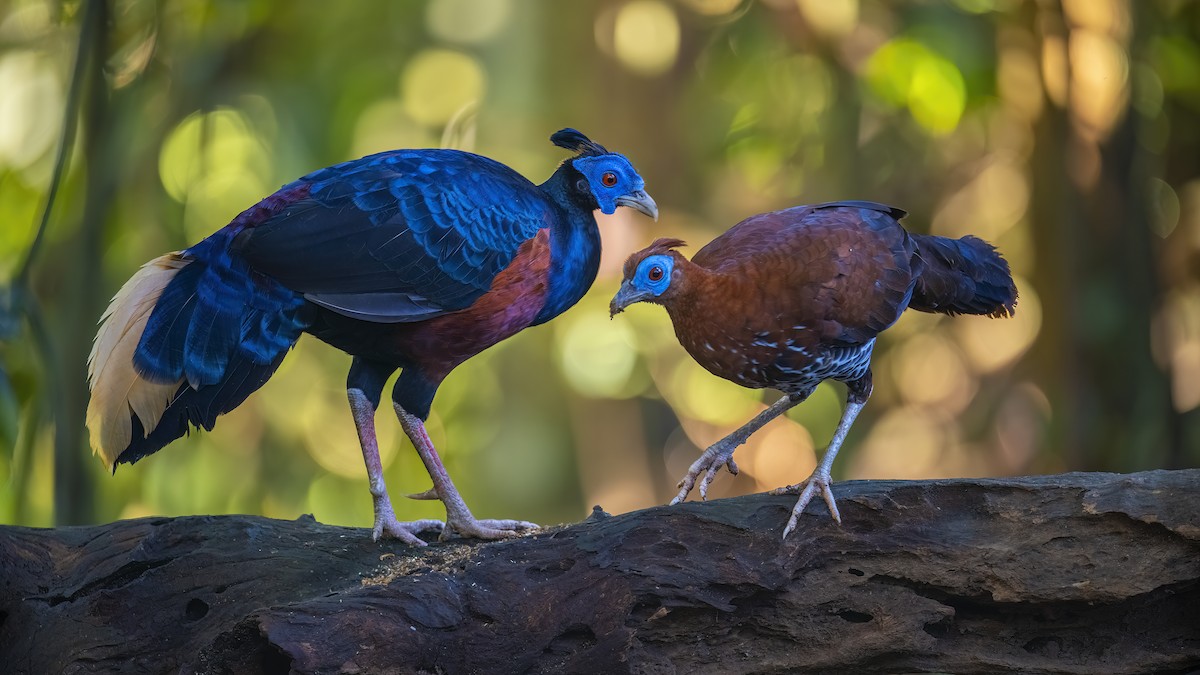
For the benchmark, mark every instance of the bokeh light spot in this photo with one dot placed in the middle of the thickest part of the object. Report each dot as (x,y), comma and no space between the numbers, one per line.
(439,82)
(646,37)
(931,371)
(1165,203)
(700,395)
(989,205)
(217,198)
(385,125)
(905,443)
(992,344)
(337,501)
(781,453)
(1099,80)
(906,72)
(207,145)
(467,21)
(597,355)
(833,18)
(712,7)
(938,95)
(30,109)
(1019,81)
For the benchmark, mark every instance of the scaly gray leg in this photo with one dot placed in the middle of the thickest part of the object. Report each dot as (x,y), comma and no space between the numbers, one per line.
(720,454)
(820,478)
(385,517)
(458,516)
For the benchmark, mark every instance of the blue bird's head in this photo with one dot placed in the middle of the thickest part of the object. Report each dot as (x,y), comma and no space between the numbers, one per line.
(607,177)
(649,275)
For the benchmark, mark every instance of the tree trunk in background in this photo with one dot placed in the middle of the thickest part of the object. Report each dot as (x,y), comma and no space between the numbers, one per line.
(1075,573)
(1098,272)
(74,491)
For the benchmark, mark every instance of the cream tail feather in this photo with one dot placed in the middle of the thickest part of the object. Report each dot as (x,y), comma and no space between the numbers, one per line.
(117,388)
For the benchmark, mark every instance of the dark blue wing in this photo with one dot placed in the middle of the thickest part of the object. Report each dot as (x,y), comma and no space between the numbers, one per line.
(399,236)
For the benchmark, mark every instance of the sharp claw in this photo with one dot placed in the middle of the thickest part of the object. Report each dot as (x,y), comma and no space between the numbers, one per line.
(811,486)
(685,486)
(430,494)
(708,479)
(488,529)
(827,493)
(791,525)
(709,464)
(518,525)
(406,532)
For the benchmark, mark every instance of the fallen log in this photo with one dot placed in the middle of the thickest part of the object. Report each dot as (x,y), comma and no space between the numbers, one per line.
(1073,573)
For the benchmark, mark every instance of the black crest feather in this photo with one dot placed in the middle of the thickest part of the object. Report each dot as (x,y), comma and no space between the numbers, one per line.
(573,140)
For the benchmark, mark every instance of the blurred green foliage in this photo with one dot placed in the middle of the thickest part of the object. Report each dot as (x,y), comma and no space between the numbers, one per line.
(1065,133)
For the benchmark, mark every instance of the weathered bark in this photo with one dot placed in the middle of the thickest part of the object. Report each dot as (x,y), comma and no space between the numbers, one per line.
(1076,573)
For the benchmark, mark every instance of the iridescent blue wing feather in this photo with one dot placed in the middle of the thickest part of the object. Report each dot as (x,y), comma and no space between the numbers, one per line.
(399,236)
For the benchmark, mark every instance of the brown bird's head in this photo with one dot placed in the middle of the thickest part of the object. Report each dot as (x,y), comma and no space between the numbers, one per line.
(649,274)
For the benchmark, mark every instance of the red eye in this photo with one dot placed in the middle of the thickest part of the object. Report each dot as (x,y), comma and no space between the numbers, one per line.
(609,179)
(655,274)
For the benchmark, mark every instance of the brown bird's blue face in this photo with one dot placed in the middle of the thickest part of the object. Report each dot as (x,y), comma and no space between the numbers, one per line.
(650,279)
(614,182)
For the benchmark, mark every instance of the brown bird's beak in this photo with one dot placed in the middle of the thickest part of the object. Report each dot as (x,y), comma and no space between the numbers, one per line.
(641,201)
(626,297)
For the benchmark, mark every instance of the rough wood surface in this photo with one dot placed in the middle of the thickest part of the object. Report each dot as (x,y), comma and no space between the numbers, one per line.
(1075,573)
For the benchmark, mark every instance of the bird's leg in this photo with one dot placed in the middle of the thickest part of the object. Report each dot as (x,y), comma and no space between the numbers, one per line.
(458,516)
(386,524)
(720,454)
(820,479)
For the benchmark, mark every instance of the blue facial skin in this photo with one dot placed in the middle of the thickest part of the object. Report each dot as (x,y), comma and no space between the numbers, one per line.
(642,280)
(627,179)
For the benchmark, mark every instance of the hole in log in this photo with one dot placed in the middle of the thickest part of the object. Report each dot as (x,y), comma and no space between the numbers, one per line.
(276,662)
(939,629)
(857,573)
(854,617)
(196,609)
(1045,646)
(481,617)
(576,638)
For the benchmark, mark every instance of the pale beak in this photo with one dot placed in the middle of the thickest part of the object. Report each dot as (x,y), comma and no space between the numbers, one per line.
(626,297)
(641,201)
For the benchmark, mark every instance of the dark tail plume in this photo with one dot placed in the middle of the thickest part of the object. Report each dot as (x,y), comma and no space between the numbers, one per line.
(962,276)
(188,338)
(198,407)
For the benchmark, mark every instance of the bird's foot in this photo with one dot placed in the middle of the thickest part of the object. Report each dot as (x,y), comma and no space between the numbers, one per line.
(716,456)
(386,526)
(807,489)
(429,495)
(469,526)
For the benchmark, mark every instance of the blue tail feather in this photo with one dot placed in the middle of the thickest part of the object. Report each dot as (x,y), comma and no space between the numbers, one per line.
(199,407)
(159,355)
(963,276)
(222,329)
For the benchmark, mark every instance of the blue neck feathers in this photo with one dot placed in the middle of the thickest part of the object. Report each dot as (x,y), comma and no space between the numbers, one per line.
(574,243)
